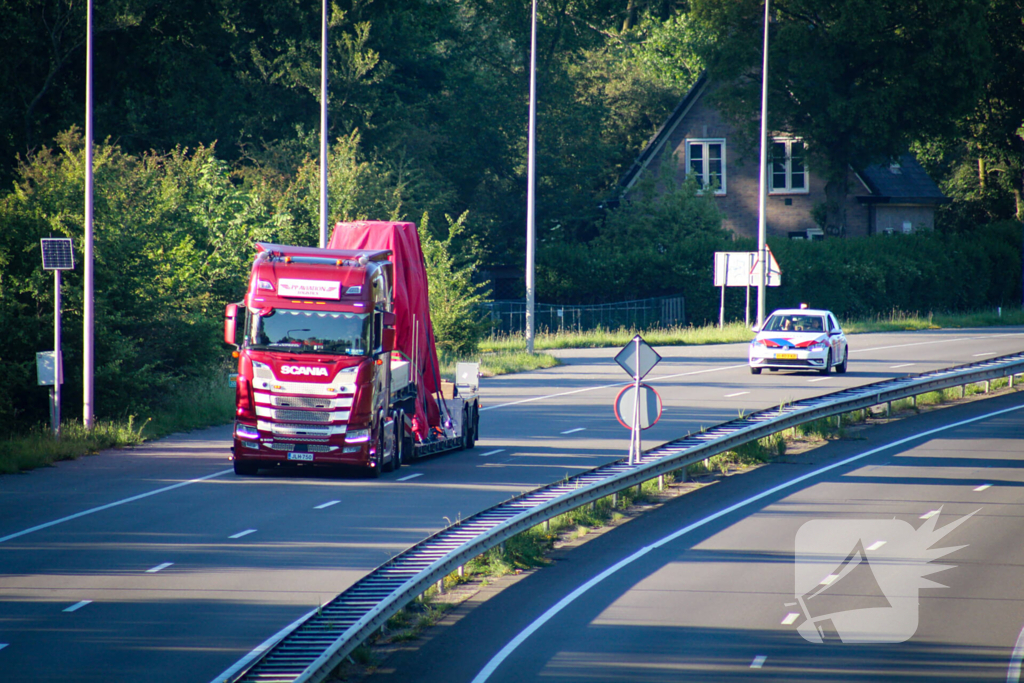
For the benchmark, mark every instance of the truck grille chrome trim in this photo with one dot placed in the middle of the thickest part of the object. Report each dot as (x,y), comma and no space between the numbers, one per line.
(309,447)
(306,415)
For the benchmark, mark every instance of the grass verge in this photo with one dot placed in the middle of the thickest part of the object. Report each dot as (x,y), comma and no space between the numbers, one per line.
(192,405)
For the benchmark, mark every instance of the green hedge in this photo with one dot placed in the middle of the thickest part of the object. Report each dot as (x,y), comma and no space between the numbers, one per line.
(923,272)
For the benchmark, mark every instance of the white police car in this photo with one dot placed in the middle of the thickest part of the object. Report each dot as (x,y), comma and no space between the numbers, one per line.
(799,339)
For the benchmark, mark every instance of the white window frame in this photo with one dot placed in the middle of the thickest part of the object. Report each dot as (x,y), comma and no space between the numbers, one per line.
(705,176)
(788,188)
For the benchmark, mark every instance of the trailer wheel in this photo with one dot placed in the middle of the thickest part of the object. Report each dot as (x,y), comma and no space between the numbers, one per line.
(399,456)
(472,425)
(245,468)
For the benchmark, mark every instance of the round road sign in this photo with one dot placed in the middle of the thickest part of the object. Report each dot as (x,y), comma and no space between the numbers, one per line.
(650,406)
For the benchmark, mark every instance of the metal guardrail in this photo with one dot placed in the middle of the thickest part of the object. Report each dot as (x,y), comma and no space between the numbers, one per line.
(313,649)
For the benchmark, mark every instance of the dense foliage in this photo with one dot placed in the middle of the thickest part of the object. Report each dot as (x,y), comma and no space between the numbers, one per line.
(207,114)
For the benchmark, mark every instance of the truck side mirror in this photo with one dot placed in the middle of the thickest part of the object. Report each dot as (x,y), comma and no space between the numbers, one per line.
(388,339)
(230,323)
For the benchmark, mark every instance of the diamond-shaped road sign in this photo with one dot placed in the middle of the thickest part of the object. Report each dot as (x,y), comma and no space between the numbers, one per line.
(637,357)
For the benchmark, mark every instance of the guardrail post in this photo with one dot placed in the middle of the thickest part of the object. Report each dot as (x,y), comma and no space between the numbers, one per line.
(440,586)
(615,500)
(661,482)
(1010,386)
(963,390)
(914,401)
(988,386)
(462,571)
(888,408)
(547,525)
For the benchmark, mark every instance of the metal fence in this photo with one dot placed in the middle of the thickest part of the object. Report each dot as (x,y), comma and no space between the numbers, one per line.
(509,317)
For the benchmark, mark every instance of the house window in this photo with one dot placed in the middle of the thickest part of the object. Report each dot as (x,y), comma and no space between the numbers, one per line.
(788,166)
(705,159)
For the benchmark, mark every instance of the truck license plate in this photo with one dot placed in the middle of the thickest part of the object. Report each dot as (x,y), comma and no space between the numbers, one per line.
(307,457)
(786,356)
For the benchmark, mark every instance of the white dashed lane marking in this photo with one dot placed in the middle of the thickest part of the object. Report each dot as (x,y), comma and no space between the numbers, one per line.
(573,431)
(328,504)
(494,452)
(243,533)
(758,662)
(159,567)
(929,514)
(876,545)
(77,606)
(790,618)
(738,393)
(411,476)
(983,487)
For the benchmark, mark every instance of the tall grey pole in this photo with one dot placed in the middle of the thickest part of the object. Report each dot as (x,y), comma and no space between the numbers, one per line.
(531,184)
(88,350)
(58,370)
(762,248)
(323,127)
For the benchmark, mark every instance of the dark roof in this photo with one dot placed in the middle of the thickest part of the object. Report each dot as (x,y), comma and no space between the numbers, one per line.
(905,182)
(655,143)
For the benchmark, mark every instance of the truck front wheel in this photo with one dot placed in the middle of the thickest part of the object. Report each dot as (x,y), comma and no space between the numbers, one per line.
(245,468)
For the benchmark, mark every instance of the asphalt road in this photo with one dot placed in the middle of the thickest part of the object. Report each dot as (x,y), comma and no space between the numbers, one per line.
(685,593)
(158,564)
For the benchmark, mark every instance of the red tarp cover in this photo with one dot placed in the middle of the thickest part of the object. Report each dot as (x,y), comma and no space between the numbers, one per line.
(410,300)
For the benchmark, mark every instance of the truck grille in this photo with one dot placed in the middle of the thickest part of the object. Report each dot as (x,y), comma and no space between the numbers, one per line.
(304,415)
(300,402)
(304,430)
(310,447)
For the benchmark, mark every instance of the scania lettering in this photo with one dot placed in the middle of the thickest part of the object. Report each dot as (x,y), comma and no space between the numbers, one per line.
(336,358)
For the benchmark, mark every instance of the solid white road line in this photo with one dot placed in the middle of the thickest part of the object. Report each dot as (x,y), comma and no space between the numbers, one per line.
(553,611)
(411,476)
(738,393)
(573,431)
(77,606)
(327,504)
(1013,672)
(983,487)
(494,452)
(243,533)
(876,545)
(930,514)
(159,567)
(262,647)
(114,504)
(790,618)
(758,662)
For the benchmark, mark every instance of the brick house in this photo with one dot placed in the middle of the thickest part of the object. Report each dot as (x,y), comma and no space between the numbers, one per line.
(897,197)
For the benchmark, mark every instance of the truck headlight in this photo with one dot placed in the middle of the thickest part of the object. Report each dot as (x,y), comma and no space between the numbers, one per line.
(248,432)
(357,436)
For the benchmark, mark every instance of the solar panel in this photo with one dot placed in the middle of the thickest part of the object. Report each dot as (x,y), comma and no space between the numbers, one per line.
(57,254)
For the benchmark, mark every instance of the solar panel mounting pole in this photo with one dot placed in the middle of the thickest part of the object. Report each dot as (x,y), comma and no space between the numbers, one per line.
(88,351)
(762,250)
(323,127)
(531,183)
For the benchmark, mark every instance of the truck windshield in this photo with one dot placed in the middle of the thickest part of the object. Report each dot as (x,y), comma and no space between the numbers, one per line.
(310,332)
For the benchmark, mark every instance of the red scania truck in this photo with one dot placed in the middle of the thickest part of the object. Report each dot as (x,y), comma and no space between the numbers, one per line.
(337,363)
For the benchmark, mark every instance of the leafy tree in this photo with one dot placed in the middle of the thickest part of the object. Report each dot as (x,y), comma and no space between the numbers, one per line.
(857,80)
(454,298)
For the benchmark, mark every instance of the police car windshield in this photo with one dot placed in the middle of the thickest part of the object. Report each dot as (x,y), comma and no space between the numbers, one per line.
(316,332)
(795,323)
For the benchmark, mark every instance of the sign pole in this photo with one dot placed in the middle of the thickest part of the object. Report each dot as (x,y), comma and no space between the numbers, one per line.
(635,436)
(58,370)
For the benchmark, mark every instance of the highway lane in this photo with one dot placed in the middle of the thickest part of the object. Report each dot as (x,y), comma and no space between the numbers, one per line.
(175,597)
(705,588)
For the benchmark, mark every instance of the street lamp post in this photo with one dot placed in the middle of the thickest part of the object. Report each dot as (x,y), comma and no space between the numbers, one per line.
(531,235)
(323,127)
(88,314)
(762,248)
